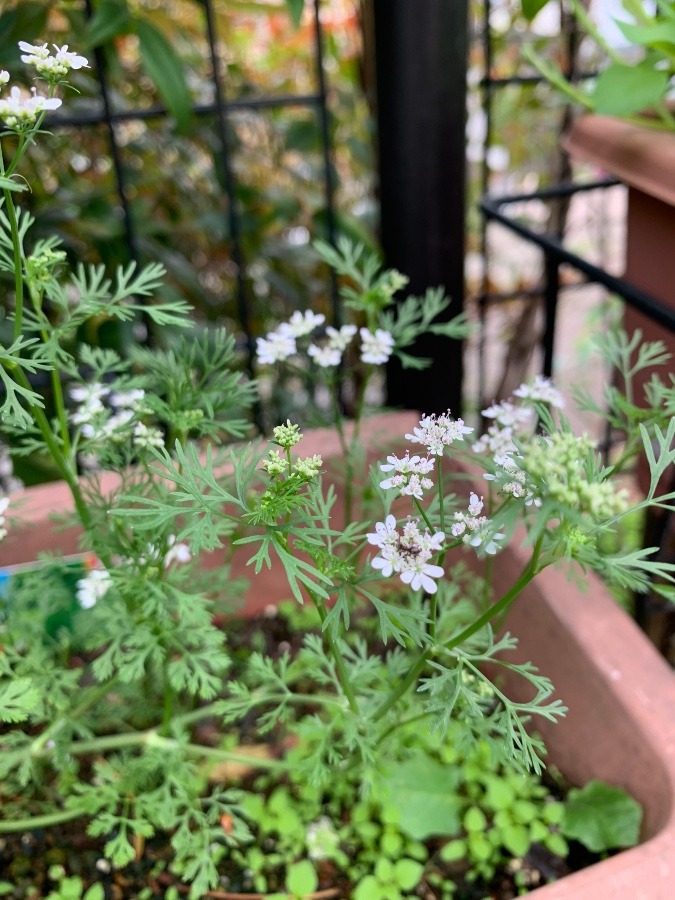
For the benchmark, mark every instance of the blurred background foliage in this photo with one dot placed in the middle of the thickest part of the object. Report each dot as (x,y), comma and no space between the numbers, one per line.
(156,55)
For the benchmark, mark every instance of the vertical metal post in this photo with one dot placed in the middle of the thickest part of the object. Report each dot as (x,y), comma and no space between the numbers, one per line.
(115,154)
(487,104)
(233,223)
(551,290)
(324,128)
(421,58)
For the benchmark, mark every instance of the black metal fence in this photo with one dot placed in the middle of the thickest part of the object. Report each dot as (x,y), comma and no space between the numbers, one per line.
(220,110)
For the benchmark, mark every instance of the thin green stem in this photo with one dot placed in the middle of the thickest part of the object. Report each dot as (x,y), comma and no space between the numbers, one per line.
(501,605)
(396,725)
(403,686)
(528,573)
(152,738)
(32,823)
(167,712)
(18,263)
(420,509)
(441,496)
(340,669)
(94,695)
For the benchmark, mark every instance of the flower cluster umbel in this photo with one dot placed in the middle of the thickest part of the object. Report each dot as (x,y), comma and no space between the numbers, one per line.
(20,109)
(281,344)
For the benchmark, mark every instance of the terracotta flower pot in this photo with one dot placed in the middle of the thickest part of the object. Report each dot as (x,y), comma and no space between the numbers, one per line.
(644,160)
(621,695)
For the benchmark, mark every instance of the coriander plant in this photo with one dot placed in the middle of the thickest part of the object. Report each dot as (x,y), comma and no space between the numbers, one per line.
(104,687)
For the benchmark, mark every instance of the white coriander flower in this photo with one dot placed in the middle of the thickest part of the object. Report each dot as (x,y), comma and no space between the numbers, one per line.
(4,503)
(301,324)
(82,393)
(69,58)
(421,575)
(87,412)
(340,339)
(52,68)
(385,533)
(322,839)
(118,421)
(4,76)
(409,477)
(476,530)
(127,399)
(275,347)
(20,111)
(543,390)
(376,348)
(407,554)
(93,587)
(41,51)
(326,356)
(179,553)
(508,414)
(145,436)
(438,432)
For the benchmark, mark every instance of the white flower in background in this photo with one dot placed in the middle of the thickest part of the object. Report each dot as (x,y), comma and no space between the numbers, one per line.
(70,58)
(93,587)
(301,324)
(409,477)
(496,441)
(145,436)
(326,356)
(476,530)
(438,432)
(4,76)
(87,412)
(20,111)
(4,503)
(39,51)
(407,554)
(51,67)
(179,553)
(376,348)
(339,339)
(321,839)
(276,347)
(543,390)
(507,414)
(83,393)
(127,399)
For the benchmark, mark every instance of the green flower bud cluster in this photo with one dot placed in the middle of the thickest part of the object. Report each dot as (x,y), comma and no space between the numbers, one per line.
(40,266)
(305,469)
(309,467)
(188,419)
(287,435)
(558,463)
(276,465)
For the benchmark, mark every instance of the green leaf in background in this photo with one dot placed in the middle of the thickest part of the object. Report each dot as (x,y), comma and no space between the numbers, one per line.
(423,791)
(649,35)
(26,22)
(602,817)
(407,873)
(111,18)
(295,10)
(623,90)
(18,699)
(532,7)
(301,878)
(166,70)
